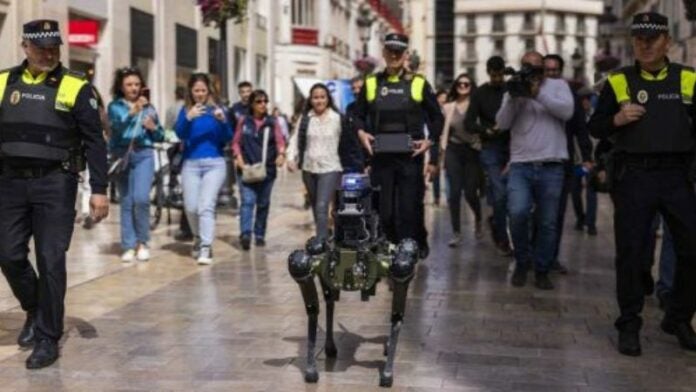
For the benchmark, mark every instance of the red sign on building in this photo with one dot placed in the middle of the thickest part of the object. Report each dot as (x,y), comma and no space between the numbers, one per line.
(83,32)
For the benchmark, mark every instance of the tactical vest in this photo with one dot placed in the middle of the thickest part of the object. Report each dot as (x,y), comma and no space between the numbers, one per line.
(35,119)
(252,143)
(666,127)
(395,103)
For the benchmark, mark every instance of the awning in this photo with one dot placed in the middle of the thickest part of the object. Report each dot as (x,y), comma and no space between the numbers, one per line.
(304,84)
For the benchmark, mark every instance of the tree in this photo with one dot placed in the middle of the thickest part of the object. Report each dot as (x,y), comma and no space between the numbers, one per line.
(217,13)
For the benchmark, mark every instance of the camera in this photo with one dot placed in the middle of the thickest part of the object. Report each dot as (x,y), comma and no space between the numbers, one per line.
(357,221)
(520,83)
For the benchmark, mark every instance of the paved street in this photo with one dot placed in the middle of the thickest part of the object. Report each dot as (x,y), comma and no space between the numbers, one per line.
(239,325)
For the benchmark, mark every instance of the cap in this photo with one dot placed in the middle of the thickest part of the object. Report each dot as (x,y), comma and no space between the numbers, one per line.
(42,32)
(649,24)
(396,41)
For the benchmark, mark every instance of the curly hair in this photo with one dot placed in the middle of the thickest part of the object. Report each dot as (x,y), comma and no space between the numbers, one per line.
(121,74)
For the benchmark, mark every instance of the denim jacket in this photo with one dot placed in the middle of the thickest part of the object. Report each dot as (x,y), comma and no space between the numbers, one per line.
(125,127)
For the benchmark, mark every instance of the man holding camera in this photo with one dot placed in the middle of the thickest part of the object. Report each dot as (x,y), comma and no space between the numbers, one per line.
(396,103)
(49,123)
(535,110)
(647,110)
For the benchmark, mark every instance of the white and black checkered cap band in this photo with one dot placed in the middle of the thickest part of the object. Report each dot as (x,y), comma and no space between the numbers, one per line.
(396,43)
(649,26)
(43,34)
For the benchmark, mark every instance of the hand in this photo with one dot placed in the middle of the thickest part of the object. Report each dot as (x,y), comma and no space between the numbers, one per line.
(602,176)
(196,110)
(292,166)
(138,106)
(98,207)
(280,160)
(366,140)
(239,161)
(535,87)
(219,115)
(421,146)
(432,171)
(149,123)
(505,170)
(628,114)
(588,166)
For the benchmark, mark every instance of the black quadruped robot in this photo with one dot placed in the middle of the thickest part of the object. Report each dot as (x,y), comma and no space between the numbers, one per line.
(354,259)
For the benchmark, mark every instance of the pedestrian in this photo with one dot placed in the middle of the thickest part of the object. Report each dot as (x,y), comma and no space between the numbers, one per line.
(320,147)
(258,148)
(135,128)
(38,177)
(495,147)
(647,109)
(535,113)
(395,104)
(585,214)
(204,130)
(462,161)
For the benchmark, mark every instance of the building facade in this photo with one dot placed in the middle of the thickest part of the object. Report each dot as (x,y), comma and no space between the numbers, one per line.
(165,39)
(509,28)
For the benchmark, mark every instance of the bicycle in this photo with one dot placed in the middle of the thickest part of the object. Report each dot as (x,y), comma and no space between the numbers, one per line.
(166,189)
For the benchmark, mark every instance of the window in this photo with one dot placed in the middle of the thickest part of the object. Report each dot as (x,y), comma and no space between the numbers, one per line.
(559,44)
(471,24)
(260,71)
(560,23)
(581,25)
(470,48)
(186,47)
(239,64)
(303,13)
(529,45)
(528,23)
(499,47)
(580,44)
(498,23)
(471,71)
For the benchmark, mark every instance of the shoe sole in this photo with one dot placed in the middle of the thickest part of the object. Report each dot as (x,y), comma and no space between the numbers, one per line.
(42,364)
(631,353)
(26,345)
(205,261)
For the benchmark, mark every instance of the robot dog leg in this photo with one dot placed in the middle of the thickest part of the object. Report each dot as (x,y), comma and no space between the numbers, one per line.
(300,266)
(401,273)
(330,296)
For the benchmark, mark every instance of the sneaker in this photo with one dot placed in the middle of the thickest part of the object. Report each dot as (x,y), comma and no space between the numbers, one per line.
(519,276)
(205,255)
(260,242)
(455,241)
(542,281)
(245,240)
(196,249)
(143,253)
(128,256)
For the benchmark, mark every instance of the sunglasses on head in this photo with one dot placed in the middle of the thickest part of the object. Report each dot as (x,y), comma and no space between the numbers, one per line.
(127,70)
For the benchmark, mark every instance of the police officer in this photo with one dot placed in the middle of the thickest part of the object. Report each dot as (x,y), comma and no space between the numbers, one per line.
(647,110)
(49,122)
(396,103)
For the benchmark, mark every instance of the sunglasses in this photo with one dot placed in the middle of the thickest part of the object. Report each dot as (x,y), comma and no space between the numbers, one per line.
(463,84)
(261,101)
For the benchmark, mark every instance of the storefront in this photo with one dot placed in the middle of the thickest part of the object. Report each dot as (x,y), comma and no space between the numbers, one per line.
(186,53)
(142,42)
(83,36)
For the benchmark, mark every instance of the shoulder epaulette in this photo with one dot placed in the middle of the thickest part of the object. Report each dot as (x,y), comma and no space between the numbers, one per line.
(76,74)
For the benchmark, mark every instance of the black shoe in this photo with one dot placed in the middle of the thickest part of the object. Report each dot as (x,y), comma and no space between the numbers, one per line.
(423,251)
(648,283)
(560,268)
(579,226)
(504,248)
(663,297)
(629,343)
(519,277)
(260,242)
(683,331)
(542,281)
(26,336)
(592,231)
(88,223)
(246,242)
(44,354)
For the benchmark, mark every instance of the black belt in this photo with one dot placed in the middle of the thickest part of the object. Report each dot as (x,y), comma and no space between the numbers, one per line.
(28,172)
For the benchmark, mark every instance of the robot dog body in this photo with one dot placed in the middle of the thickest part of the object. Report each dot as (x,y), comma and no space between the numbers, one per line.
(354,259)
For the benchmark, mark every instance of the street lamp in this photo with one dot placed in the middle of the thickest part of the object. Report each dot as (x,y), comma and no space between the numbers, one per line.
(364,22)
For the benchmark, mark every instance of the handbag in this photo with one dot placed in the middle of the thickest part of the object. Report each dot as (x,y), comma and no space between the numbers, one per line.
(119,166)
(257,172)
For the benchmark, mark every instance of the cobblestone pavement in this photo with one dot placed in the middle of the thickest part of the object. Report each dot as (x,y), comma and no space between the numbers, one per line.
(239,325)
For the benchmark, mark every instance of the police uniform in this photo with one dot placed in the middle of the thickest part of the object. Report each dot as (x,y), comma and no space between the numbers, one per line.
(399,104)
(652,157)
(48,124)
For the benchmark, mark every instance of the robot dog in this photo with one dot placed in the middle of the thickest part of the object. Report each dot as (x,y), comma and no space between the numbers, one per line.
(354,259)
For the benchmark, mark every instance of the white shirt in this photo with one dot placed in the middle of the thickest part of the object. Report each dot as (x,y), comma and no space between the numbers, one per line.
(323,137)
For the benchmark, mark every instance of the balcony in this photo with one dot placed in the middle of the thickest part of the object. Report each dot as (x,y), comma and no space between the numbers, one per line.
(305,36)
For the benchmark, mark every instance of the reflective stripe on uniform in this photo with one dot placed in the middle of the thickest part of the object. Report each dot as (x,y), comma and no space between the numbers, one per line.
(688,80)
(67,92)
(371,88)
(417,86)
(3,84)
(619,84)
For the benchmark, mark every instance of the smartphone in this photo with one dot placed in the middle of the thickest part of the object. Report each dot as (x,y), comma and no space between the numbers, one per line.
(145,92)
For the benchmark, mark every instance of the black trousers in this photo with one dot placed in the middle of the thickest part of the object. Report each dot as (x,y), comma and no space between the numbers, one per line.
(45,209)
(638,195)
(463,168)
(402,189)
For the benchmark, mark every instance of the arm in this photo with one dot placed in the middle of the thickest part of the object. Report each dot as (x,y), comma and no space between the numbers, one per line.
(225,131)
(601,124)
(558,101)
(183,125)
(449,108)
(471,121)
(435,121)
(279,138)
(237,139)
(579,128)
(292,153)
(508,111)
(157,134)
(119,118)
(89,126)
(360,111)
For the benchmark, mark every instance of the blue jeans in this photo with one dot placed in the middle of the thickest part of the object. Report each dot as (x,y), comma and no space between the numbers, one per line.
(586,217)
(201,181)
(493,160)
(257,196)
(538,186)
(134,188)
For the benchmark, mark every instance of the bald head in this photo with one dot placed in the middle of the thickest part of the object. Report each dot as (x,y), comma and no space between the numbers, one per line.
(533,58)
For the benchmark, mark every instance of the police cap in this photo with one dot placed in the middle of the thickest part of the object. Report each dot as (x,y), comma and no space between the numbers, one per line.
(649,24)
(42,32)
(396,42)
